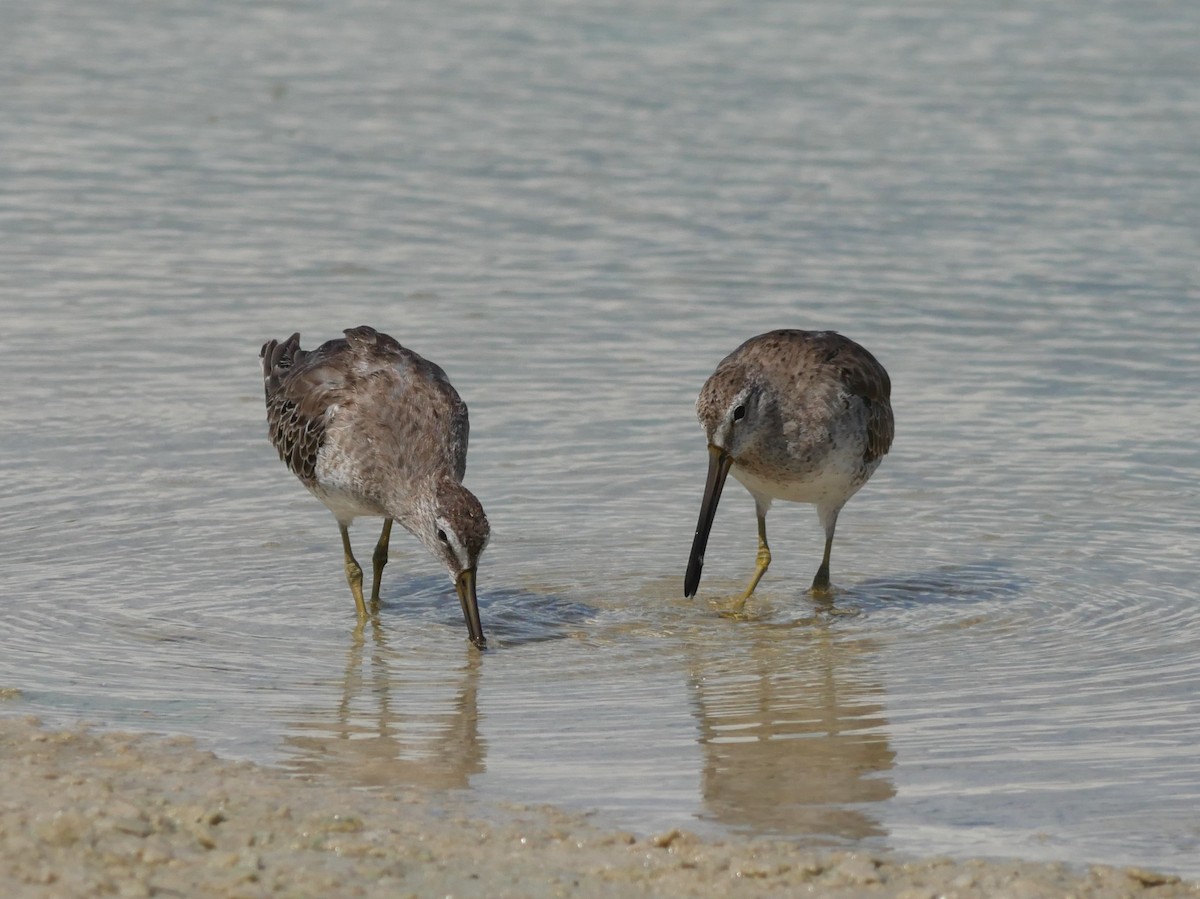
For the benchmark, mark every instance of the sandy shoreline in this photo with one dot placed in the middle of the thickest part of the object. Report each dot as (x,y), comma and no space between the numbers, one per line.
(87,813)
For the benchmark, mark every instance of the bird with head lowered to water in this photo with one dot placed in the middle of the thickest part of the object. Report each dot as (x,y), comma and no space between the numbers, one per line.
(373,429)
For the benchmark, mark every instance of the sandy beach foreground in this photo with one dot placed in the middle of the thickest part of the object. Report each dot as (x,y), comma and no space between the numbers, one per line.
(87,813)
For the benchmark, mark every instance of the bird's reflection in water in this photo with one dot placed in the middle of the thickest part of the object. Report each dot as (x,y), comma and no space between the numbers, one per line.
(792,731)
(408,718)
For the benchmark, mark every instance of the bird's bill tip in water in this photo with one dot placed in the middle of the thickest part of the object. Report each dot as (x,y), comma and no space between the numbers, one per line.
(719,462)
(464,584)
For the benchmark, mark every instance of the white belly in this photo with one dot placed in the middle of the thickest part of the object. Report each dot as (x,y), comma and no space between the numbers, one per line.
(829,486)
(345,505)
(338,488)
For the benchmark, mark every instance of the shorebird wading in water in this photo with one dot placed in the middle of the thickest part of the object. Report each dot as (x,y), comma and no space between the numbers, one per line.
(802,416)
(372,428)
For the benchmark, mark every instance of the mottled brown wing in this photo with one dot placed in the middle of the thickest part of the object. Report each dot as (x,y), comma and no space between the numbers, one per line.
(300,387)
(864,377)
(391,408)
(414,414)
(881,428)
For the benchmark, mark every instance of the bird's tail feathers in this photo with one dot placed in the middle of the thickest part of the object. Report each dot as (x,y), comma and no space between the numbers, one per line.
(277,357)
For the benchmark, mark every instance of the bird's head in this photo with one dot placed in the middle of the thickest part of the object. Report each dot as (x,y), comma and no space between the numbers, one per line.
(455,529)
(732,409)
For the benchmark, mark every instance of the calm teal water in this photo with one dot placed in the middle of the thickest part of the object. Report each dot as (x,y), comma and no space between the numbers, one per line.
(578,210)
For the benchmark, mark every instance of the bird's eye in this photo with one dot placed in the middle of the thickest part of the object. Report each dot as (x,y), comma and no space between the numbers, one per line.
(441,535)
(739,413)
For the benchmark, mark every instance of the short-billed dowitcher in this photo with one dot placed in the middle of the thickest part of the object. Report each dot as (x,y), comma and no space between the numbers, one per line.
(372,428)
(802,416)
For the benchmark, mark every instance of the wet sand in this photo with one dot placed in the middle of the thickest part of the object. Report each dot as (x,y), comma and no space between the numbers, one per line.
(88,813)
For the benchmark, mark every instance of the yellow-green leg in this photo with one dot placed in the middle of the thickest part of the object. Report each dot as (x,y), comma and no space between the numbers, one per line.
(379,559)
(353,573)
(762,561)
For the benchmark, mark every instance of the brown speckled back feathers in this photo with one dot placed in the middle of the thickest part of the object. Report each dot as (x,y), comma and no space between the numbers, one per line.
(830,358)
(348,384)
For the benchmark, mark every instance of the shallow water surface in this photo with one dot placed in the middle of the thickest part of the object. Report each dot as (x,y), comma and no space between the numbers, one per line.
(578,212)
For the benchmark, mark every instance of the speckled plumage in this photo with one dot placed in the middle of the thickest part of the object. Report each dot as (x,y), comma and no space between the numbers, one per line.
(374,429)
(803,416)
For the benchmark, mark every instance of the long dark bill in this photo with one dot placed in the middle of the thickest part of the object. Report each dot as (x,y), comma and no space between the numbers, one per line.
(465,585)
(718,468)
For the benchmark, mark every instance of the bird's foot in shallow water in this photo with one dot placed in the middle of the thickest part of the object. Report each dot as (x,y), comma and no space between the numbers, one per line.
(733,608)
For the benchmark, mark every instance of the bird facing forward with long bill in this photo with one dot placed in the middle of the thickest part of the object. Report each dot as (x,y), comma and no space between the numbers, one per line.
(802,416)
